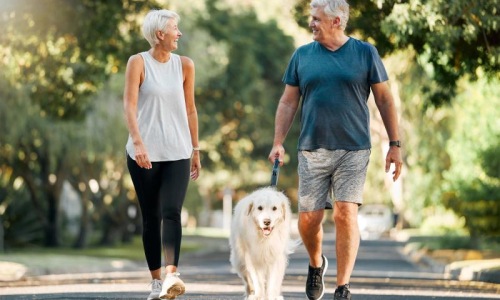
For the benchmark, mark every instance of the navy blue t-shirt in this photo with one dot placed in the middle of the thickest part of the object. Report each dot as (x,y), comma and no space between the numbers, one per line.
(335,86)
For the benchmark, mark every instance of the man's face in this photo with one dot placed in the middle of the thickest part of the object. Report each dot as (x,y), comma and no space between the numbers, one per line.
(320,24)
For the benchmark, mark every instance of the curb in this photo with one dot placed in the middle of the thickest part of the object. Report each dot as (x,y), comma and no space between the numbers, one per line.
(79,278)
(11,271)
(478,270)
(419,257)
(486,270)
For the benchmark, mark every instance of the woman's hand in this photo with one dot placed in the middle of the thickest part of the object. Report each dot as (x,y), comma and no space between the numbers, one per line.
(195,165)
(141,157)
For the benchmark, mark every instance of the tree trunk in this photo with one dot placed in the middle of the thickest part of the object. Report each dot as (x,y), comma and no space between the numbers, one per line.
(52,229)
(81,240)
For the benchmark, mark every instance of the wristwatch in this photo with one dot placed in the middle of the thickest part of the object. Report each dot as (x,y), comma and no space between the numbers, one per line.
(395,143)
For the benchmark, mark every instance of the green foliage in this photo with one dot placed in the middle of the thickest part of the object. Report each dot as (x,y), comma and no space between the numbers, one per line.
(425,133)
(53,63)
(237,105)
(62,58)
(473,187)
(490,159)
(457,38)
(20,224)
(448,148)
(479,203)
(447,241)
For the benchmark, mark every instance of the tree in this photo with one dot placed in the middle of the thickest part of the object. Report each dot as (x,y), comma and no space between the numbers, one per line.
(473,182)
(238,103)
(21,223)
(57,64)
(451,39)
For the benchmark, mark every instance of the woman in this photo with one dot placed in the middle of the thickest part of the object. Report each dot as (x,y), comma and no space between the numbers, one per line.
(162,148)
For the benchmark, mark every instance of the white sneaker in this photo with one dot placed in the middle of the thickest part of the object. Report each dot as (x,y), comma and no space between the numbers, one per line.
(155,289)
(172,287)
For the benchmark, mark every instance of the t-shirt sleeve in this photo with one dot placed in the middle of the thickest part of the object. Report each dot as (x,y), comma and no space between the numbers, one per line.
(291,76)
(377,71)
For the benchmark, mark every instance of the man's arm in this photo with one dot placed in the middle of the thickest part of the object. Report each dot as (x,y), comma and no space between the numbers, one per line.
(387,109)
(285,114)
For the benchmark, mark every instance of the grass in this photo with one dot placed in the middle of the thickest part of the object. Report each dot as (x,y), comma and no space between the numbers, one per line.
(41,261)
(452,241)
(131,251)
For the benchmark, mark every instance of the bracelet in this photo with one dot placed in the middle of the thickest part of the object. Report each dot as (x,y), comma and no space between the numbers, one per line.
(196,148)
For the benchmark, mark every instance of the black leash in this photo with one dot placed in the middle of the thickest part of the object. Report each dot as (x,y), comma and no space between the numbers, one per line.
(276,171)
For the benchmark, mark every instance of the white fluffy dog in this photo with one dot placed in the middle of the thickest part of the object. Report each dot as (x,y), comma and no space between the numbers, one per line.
(260,242)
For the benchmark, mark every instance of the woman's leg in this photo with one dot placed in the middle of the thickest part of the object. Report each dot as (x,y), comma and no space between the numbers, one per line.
(147,184)
(175,180)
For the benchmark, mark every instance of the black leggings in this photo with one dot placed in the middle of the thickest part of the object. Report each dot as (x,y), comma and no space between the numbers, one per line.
(161,191)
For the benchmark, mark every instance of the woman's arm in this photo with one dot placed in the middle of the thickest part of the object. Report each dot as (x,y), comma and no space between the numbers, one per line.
(192,114)
(134,75)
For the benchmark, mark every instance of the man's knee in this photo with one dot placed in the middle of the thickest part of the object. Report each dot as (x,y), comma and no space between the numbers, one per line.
(310,219)
(345,213)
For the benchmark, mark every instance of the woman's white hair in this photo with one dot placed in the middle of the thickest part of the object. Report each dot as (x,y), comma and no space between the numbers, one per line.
(156,20)
(333,9)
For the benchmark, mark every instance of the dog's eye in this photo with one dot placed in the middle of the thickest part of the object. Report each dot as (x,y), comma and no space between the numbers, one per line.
(259,208)
(275,208)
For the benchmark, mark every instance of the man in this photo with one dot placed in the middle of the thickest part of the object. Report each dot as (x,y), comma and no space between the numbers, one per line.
(334,76)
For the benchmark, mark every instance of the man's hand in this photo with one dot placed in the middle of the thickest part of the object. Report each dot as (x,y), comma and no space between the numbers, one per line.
(394,157)
(278,152)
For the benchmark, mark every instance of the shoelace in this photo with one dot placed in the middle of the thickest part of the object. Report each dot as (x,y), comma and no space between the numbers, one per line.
(315,277)
(156,284)
(343,290)
(176,274)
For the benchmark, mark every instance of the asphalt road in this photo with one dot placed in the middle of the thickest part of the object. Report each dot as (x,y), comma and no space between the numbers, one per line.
(382,272)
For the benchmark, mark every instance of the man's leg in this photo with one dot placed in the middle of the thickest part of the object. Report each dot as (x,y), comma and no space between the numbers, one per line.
(311,232)
(347,239)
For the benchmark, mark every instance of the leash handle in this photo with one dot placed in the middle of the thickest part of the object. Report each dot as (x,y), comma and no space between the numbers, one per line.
(276,171)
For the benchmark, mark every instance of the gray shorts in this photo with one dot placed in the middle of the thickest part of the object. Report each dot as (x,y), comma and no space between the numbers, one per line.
(339,172)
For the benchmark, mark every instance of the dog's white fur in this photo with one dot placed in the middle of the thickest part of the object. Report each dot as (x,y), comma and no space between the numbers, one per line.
(260,242)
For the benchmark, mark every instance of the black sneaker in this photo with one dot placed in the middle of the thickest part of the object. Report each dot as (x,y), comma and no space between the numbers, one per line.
(342,293)
(315,285)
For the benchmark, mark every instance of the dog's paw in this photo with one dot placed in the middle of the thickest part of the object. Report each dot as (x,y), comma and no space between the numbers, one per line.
(251,297)
(276,298)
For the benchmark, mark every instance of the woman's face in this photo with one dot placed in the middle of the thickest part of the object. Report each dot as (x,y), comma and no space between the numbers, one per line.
(171,35)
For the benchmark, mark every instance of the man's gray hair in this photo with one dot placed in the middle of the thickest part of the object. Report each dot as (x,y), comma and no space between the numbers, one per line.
(333,9)
(156,20)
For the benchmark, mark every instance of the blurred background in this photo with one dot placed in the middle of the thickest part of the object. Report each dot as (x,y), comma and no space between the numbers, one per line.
(63,175)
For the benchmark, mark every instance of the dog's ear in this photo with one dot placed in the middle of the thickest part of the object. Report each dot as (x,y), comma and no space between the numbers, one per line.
(250,207)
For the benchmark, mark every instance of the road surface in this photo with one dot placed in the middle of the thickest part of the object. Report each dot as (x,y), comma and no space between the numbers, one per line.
(382,272)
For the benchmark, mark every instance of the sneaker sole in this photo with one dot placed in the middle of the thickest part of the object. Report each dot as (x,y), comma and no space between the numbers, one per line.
(323,277)
(173,292)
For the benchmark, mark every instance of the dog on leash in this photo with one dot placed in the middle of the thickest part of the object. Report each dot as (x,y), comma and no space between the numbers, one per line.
(260,242)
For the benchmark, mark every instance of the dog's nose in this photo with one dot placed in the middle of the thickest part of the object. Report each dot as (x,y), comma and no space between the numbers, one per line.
(267,222)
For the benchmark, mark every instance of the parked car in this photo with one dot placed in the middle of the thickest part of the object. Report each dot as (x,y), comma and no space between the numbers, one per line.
(374,220)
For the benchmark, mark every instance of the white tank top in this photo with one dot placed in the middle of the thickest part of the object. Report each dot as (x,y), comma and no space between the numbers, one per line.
(161,111)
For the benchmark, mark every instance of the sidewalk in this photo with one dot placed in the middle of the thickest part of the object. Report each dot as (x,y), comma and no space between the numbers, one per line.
(67,269)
